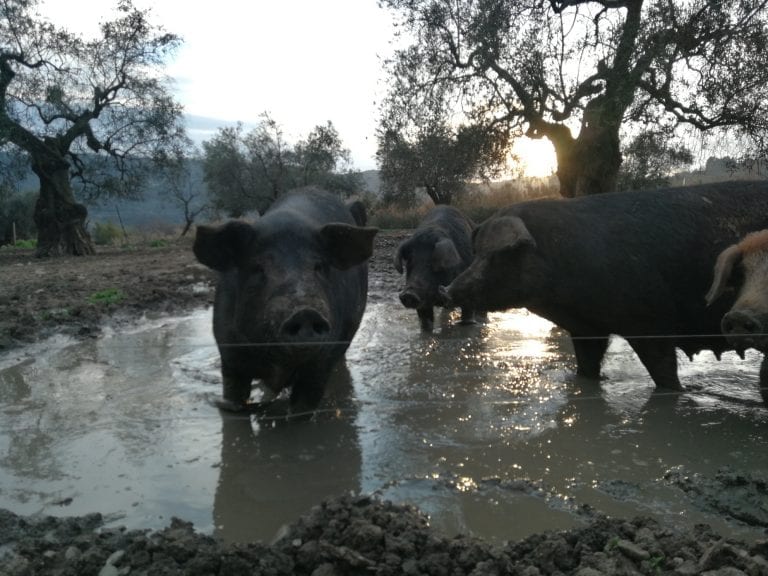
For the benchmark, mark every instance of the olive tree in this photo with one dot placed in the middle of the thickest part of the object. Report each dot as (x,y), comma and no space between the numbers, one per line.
(82,109)
(438,159)
(649,160)
(578,72)
(242,173)
(250,170)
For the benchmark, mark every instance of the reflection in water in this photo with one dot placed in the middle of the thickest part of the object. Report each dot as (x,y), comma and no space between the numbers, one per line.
(273,474)
(484,427)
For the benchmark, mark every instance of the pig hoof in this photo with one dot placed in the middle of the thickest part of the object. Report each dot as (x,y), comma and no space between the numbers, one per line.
(231,406)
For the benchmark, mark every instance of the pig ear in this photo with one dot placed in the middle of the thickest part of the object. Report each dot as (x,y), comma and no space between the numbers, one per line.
(347,245)
(220,247)
(445,256)
(400,255)
(357,209)
(724,265)
(503,234)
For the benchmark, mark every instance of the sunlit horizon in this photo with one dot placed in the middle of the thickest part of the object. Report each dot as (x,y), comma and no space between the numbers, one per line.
(536,157)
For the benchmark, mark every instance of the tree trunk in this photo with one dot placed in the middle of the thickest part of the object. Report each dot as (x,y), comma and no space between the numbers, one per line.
(588,164)
(60,220)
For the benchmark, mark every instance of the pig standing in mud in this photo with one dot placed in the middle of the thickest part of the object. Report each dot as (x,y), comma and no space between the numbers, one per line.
(291,293)
(743,268)
(438,251)
(636,264)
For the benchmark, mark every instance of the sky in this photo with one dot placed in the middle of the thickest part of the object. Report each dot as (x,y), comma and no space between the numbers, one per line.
(305,62)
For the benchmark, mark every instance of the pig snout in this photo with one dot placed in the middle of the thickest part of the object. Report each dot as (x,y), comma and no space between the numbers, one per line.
(410,299)
(305,325)
(744,329)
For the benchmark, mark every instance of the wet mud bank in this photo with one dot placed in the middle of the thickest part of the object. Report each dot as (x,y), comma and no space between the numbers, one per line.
(362,535)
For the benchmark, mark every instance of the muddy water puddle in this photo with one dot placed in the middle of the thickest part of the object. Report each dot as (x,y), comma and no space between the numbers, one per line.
(485,428)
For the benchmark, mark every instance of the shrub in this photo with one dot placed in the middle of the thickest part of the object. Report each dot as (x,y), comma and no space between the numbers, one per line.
(26,244)
(16,213)
(392,217)
(477,201)
(105,233)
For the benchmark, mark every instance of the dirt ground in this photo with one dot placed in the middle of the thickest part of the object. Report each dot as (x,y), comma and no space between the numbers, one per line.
(75,295)
(343,536)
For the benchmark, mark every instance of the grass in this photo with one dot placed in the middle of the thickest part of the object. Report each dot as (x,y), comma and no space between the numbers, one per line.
(55,314)
(106,297)
(478,203)
(23,244)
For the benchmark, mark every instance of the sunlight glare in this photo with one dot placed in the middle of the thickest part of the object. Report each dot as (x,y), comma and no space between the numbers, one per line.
(537,157)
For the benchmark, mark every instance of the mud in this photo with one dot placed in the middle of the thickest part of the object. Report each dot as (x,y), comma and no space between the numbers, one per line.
(347,534)
(362,535)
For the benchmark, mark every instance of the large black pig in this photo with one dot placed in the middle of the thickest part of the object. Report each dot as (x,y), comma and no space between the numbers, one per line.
(636,264)
(438,251)
(291,293)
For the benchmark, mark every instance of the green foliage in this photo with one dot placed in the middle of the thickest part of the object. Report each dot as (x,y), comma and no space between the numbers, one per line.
(158,243)
(26,244)
(105,233)
(16,211)
(248,171)
(234,183)
(106,297)
(437,158)
(21,245)
(649,160)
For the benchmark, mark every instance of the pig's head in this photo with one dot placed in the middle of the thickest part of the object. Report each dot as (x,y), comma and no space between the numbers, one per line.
(430,260)
(282,276)
(743,268)
(498,277)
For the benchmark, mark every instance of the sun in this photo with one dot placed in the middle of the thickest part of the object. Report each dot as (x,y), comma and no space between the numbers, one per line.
(537,157)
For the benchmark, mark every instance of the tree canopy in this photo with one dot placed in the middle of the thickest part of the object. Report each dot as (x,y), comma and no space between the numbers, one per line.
(599,69)
(76,106)
(249,170)
(649,160)
(437,159)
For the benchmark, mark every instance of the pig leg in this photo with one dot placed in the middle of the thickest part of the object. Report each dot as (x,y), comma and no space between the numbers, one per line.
(236,391)
(660,359)
(426,318)
(589,354)
(308,387)
(468,316)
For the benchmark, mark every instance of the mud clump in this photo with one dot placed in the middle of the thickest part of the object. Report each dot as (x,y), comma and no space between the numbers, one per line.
(354,535)
(740,495)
